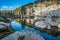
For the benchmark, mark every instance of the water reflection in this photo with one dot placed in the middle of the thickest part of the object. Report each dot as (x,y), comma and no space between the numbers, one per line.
(18,27)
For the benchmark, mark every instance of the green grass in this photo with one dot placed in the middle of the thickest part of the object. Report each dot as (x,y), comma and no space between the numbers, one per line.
(55,16)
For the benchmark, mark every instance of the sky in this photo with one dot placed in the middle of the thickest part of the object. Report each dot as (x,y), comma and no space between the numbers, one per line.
(13,4)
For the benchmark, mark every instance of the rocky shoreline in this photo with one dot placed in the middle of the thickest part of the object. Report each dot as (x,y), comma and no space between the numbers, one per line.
(54,31)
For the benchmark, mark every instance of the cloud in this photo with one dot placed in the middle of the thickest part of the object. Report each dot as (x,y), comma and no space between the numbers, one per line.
(10,8)
(7,8)
(4,7)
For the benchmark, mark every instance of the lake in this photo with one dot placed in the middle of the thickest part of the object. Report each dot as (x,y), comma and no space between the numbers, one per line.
(18,27)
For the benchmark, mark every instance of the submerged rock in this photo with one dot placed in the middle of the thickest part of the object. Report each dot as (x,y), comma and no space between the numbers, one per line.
(51,21)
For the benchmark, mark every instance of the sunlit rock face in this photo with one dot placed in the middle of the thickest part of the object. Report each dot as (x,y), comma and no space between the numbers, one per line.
(16,26)
(52,18)
(59,26)
(40,9)
(27,20)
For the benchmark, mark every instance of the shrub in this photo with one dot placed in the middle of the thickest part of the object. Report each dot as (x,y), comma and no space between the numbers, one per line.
(55,16)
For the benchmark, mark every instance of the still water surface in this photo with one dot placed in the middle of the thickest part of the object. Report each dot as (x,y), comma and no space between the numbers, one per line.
(18,27)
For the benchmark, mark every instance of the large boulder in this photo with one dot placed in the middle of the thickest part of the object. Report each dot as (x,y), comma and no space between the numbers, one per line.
(32,21)
(2,27)
(41,24)
(5,26)
(51,21)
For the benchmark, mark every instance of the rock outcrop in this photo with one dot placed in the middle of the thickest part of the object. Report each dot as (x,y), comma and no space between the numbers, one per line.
(24,35)
(5,26)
